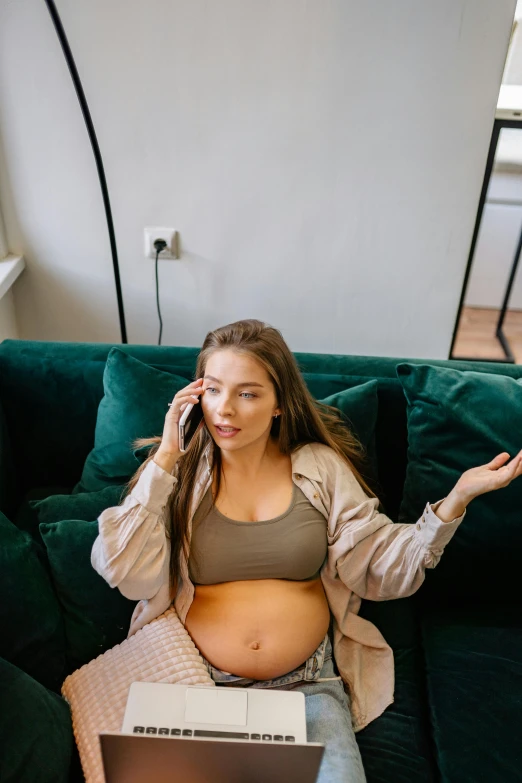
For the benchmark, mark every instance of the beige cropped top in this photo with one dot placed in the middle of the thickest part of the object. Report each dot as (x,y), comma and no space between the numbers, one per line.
(290,546)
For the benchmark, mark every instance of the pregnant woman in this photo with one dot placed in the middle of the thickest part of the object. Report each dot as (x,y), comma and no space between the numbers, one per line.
(266,537)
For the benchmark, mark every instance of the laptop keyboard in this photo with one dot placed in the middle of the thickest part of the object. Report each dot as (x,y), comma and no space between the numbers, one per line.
(242,735)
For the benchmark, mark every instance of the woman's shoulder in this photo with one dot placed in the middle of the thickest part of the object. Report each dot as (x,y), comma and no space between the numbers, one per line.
(324,455)
(337,475)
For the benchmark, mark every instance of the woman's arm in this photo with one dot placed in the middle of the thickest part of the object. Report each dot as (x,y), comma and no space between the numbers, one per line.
(132,551)
(381,560)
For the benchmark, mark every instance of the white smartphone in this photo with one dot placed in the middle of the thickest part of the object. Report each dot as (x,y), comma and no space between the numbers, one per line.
(191,420)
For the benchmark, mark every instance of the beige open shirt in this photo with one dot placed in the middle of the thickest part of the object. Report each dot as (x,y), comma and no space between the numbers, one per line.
(369,556)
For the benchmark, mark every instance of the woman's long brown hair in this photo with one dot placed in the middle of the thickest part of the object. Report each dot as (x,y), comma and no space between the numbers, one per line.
(303,420)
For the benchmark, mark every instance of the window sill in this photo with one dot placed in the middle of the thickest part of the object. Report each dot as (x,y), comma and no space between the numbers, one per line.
(11,268)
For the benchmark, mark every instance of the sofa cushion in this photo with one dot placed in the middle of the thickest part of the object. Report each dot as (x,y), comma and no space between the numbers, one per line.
(26,517)
(134,406)
(36,737)
(8,480)
(396,745)
(387,446)
(83,505)
(456,421)
(96,616)
(358,407)
(474,673)
(32,636)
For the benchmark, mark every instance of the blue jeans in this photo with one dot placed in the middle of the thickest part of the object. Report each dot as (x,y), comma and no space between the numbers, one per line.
(328,718)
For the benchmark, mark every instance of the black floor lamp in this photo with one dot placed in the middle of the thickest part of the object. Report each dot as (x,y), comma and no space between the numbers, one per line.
(97,155)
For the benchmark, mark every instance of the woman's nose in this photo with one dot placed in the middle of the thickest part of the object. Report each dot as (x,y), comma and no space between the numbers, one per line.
(224,408)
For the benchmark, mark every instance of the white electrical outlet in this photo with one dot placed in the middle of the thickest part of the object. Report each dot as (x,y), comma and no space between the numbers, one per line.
(170,235)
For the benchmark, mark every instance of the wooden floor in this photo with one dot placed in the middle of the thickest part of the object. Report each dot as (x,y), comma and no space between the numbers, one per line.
(476,334)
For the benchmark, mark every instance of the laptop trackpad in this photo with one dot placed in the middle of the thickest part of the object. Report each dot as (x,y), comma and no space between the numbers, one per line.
(216,705)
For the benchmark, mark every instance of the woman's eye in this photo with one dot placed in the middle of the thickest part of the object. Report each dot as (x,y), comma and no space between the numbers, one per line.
(213,389)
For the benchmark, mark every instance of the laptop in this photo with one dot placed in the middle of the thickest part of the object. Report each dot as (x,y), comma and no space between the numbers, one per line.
(211,734)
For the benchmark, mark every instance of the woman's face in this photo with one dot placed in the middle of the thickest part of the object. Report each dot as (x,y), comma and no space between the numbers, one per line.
(238,393)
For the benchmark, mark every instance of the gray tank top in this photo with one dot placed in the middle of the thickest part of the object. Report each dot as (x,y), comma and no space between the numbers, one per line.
(290,546)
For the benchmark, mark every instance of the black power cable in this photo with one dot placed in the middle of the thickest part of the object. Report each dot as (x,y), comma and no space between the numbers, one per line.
(97,155)
(159,245)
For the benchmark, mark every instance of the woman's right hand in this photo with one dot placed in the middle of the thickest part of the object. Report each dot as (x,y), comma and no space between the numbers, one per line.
(169,445)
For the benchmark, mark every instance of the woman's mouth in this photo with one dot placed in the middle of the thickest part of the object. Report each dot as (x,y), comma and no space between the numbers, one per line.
(227,432)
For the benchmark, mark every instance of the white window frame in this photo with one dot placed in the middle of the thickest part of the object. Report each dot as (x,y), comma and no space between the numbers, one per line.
(3,241)
(11,266)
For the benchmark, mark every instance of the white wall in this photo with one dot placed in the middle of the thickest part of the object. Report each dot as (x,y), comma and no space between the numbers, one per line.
(513,66)
(502,216)
(321,160)
(8,326)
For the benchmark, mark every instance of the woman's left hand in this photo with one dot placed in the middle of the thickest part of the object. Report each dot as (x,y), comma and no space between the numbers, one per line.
(485,478)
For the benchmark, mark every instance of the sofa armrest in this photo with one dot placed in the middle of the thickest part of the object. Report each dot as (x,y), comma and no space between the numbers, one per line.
(9,492)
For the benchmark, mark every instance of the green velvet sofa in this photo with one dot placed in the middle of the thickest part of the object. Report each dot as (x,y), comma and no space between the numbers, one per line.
(457,714)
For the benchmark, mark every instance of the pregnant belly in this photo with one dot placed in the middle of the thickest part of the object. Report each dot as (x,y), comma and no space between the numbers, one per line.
(260,628)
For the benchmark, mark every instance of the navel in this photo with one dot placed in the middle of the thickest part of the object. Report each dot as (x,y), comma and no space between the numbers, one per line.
(255,646)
